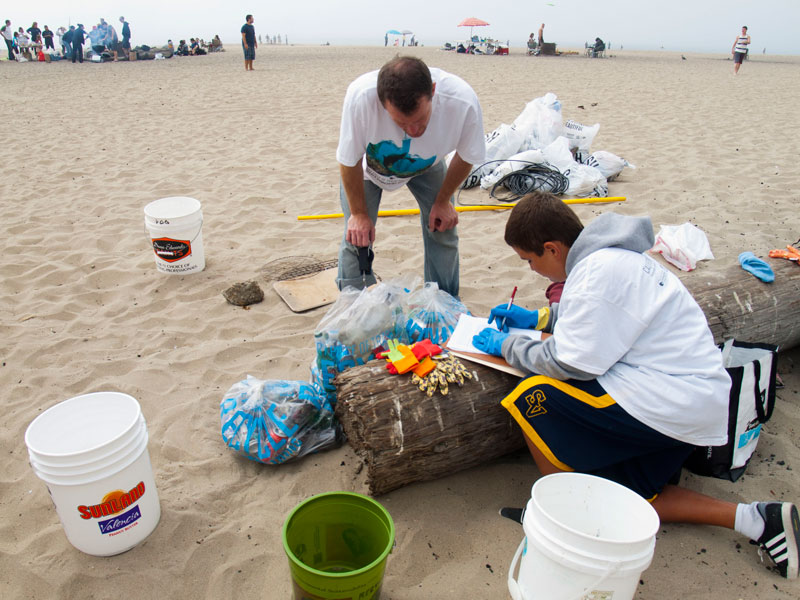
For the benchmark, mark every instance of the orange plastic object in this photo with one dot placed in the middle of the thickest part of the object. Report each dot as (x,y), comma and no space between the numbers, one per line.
(424,367)
(408,362)
(791,253)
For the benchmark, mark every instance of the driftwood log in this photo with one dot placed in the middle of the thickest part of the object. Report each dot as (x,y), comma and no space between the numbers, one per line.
(737,305)
(403,436)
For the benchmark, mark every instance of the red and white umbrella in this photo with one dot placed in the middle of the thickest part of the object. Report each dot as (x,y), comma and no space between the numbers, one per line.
(472,22)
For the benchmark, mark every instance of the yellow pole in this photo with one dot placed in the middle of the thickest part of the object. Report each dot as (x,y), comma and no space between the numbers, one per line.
(398,212)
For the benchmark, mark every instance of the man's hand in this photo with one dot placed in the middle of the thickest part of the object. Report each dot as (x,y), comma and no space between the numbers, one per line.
(360,231)
(490,341)
(443,216)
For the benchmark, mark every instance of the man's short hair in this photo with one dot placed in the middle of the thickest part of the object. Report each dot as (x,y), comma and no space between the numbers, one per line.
(744,26)
(538,218)
(247,18)
(403,81)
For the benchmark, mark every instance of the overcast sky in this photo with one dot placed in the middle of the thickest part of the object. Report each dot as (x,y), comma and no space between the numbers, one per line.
(679,25)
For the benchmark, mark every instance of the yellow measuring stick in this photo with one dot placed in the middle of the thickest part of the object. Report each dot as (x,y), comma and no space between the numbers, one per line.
(398,212)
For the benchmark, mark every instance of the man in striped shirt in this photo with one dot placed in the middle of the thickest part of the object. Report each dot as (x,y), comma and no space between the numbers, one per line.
(739,49)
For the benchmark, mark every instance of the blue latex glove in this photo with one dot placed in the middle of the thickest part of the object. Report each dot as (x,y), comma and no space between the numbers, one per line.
(490,341)
(516,316)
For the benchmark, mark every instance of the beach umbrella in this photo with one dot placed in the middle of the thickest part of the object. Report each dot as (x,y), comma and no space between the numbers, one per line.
(472,22)
(406,32)
(394,32)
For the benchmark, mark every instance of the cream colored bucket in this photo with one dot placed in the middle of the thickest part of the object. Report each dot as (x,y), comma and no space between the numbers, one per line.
(175,226)
(91,452)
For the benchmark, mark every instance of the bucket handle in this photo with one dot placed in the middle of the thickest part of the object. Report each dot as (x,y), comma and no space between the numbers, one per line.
(516,593)
(150,240)
(608,573)
(513,586)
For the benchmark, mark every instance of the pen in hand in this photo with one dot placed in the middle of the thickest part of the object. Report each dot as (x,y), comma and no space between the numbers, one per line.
(510,302)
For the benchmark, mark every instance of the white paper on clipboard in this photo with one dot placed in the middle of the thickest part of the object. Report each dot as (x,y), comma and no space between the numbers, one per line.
(469,326)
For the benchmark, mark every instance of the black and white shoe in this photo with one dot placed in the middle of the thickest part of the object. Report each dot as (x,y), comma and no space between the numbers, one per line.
(515,514)
(781,537)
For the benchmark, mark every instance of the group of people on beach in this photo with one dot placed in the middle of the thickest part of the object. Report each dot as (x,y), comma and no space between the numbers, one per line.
(274,40)
(626,380)
(195,47)
(35,42)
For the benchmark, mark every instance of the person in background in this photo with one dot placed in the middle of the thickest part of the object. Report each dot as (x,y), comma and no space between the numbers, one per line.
(397,126)
(96,36)
(23,39)
(111,40)
(47,36)
(78,37)
(125,45)
(35,33)
(66,41)
(60,36)
(541,36)
(599,46)
(8,36)
(739,49)
(170,46)
(249,43)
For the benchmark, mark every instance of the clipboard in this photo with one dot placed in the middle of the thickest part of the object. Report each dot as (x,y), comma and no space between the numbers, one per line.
(460,343)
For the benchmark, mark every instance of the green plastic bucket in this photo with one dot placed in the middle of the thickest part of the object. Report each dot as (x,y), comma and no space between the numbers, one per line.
(337,544)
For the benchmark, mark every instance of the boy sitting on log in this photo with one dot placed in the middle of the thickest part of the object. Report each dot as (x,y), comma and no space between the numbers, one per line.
(628,380)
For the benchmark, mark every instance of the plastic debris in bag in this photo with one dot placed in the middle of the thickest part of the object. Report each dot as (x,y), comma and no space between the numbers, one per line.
(502,143)
(357,325)
(682,245)
(432,314)
(584,180)
(580,136)
(540,122)
(273,421)
(610,165)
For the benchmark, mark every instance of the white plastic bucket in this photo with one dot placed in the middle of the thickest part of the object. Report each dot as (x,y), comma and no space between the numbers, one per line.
(586,538)
(175,226)
(91,451)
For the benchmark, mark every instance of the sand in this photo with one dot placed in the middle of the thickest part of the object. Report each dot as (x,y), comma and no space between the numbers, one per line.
(84,309)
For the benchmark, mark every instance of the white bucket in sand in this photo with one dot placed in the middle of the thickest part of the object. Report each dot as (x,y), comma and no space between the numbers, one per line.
(175,226)
(586,538)
(91,451)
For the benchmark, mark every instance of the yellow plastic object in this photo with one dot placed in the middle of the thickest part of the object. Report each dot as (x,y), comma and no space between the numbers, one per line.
(399,212)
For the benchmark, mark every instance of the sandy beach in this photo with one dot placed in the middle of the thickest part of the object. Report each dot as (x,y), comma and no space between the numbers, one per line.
(84,309)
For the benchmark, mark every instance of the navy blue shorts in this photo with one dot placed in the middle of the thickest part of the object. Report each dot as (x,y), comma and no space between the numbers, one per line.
(738,57)
(249,53)
(579,427)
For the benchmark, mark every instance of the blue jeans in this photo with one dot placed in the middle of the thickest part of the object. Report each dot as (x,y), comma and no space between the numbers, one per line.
(441,247)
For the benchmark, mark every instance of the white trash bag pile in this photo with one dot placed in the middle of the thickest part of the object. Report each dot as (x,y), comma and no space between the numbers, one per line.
(539,136)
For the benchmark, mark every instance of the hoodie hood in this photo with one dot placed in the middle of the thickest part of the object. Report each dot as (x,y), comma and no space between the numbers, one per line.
(611,230)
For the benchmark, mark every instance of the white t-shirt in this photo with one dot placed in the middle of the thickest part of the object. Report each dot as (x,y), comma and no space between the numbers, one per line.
(634,325)
(390,157)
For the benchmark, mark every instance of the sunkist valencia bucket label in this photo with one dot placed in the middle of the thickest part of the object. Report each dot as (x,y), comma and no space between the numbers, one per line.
(170,250)
(117,512)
